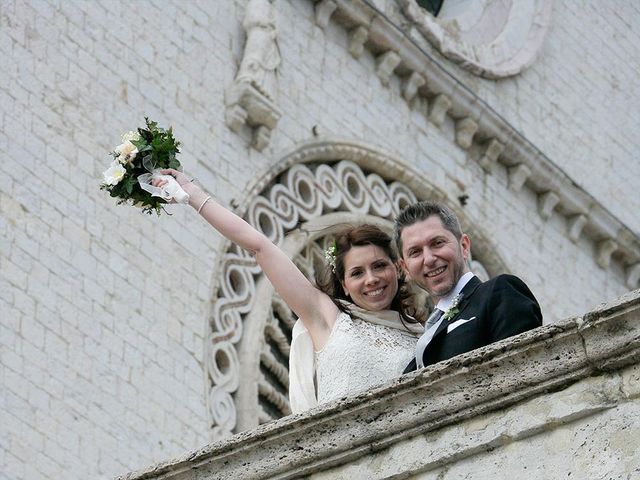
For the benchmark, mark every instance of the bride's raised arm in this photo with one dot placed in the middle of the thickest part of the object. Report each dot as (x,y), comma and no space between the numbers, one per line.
(315,308)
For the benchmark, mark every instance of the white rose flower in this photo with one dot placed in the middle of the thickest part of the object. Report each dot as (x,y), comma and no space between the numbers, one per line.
(126,152)
(114,173)
(130,136)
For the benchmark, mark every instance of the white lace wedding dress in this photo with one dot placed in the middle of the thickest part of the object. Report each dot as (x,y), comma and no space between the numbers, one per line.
(359,355)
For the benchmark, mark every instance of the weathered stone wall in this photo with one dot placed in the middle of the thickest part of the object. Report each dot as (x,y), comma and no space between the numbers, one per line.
(103,310)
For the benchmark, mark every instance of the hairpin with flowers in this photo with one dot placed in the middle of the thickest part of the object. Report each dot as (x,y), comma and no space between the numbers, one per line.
(330,255)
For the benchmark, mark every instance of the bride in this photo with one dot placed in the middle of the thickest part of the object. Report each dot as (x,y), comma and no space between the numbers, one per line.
(353,332)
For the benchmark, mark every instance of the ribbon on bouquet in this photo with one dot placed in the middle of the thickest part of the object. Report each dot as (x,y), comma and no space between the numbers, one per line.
(169,191)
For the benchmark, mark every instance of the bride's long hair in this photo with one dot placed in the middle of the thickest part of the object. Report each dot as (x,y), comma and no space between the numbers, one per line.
(330,279)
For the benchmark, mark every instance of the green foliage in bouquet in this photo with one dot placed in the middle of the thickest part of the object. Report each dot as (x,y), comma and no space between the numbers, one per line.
(141,152)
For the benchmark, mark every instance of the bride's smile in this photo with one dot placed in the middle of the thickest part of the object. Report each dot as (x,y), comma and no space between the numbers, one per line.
(370,278)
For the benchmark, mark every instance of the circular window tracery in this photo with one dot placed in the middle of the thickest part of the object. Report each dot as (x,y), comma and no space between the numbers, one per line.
(491,38)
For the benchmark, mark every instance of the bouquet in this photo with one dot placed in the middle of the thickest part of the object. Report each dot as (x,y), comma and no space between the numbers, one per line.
(137,161)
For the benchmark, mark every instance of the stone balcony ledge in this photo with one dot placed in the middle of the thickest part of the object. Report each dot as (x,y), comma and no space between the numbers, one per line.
(512,392)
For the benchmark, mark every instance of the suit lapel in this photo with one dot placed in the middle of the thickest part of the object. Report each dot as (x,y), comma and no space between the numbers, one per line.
(467,292)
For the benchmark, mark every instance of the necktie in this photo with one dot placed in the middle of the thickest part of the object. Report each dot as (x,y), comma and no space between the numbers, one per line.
(433,318)
(430,329)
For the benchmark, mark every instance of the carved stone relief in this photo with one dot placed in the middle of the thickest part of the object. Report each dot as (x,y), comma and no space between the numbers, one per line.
(247,346)
(250,99)
(491,38)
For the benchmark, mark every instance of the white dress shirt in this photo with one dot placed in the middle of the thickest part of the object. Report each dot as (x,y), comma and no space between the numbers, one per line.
(443,305)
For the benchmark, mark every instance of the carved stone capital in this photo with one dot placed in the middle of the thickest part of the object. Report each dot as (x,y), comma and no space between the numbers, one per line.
(235,116)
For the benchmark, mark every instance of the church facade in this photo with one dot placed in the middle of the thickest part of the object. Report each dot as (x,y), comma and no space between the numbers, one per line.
(128,339)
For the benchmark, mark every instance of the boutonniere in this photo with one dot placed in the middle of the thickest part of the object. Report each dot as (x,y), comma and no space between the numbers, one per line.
(453,310)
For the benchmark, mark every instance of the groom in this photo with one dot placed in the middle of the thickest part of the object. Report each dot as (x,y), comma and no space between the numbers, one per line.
(469,314)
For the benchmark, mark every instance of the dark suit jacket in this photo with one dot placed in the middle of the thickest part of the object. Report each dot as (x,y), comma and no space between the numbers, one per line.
(503,306)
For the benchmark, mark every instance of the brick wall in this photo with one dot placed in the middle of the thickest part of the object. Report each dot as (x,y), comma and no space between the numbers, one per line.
(103,310)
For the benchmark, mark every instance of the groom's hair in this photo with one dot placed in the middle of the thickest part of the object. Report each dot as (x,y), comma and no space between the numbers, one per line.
(420,211)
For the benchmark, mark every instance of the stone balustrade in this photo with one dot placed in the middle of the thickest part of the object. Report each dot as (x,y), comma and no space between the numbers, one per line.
(560,400)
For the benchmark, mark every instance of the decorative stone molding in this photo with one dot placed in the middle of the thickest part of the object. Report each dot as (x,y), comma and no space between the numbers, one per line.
(440,106)
(605,250)
(465,130)
(357,37)
(516,390)
(411,86)
(546,203)
(518,175)
(386,64)
(491,150)
(446,97)
(250,99)
(323,10)
(493,39)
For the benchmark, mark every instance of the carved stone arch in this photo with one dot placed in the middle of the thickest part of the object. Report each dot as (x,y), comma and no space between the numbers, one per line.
(316,187)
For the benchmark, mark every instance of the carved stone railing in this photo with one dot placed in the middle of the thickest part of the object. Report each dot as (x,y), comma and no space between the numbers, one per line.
(487,137)
(579,377)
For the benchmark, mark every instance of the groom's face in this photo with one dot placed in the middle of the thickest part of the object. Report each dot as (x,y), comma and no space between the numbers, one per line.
(433,257)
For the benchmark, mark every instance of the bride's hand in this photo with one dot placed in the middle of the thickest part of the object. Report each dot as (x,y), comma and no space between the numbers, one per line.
(180,177)
(185,183)
(196,194)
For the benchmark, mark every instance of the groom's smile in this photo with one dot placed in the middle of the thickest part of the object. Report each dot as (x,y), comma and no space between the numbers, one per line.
(436,272)
(433,257)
